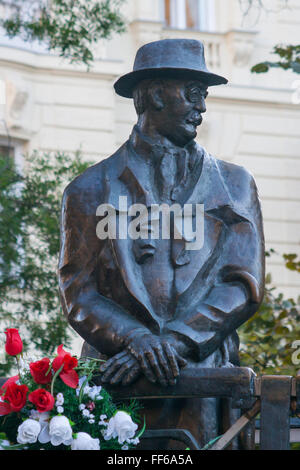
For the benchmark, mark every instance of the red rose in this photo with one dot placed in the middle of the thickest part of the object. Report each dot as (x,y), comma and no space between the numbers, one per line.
(42,399)
(68,375)
(14,344)
(14,398)
(13,379)
(5,407)
(39,371)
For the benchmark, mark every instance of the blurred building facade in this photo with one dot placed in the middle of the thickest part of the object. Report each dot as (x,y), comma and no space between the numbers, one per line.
(253,121)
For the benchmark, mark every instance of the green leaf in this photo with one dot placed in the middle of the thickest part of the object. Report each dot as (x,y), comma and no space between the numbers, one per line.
(55,377)
(263,67)
(141,432)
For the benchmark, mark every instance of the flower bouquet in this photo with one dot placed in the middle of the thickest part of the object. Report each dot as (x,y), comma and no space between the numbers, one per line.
(52,404)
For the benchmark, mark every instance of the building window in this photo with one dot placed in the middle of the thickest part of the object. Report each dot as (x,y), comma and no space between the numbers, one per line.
(190,14)
(7,151)
(13,149)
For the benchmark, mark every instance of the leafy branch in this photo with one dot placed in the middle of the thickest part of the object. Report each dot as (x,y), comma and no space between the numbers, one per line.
(29,246)
(70,28)
(267,338)
(289,60)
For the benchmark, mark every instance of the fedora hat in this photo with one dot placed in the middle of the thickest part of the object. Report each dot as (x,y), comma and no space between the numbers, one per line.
(169,58)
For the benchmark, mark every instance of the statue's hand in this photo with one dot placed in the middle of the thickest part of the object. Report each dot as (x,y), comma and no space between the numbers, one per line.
(158,359)
(121,368)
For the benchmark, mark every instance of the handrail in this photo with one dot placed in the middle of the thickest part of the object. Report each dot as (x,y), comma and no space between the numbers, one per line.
(237,383)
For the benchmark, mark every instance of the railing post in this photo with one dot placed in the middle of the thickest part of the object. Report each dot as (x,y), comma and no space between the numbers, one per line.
(275,412)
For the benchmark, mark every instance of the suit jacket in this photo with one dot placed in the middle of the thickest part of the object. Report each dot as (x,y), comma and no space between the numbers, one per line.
(216,288)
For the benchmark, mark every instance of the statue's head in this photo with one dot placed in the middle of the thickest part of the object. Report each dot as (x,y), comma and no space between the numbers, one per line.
(169,85)
(171,108)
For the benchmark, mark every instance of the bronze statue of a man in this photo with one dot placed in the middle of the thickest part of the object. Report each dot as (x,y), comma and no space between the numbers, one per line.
(151,306)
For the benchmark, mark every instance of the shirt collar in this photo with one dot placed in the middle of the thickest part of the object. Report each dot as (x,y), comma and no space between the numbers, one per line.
(148,148)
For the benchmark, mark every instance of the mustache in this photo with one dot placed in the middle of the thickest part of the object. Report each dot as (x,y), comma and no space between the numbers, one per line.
(195,119)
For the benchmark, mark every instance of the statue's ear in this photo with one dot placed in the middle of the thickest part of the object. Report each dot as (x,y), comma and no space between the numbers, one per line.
(155,94)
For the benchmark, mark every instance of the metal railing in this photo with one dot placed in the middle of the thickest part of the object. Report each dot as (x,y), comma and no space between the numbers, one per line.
(275,397)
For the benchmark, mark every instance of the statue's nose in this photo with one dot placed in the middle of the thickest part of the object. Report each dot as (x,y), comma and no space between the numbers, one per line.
(200,106)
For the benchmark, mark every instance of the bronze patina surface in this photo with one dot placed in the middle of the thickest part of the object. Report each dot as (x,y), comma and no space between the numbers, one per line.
(151,306)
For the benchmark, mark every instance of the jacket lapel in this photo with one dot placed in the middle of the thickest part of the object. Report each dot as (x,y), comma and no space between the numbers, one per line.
(219,212)
(125,180)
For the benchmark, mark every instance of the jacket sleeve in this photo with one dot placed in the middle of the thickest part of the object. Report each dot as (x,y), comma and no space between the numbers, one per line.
(237,281)
(104,324)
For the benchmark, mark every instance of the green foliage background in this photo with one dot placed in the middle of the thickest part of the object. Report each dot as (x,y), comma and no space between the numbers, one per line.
(29,246)
(267,338)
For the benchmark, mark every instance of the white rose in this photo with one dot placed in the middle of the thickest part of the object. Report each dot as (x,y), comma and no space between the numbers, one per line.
(121,426)
(110,432)
(28,431)
(84,441)
(60,431)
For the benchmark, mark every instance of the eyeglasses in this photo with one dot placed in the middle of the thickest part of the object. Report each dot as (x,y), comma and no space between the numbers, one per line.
(194,93)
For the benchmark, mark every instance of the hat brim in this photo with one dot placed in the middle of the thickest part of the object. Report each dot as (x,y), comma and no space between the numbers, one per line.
(125,85)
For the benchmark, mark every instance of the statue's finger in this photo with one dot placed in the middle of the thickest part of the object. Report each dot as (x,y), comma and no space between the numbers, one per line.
(117,378)
(152,358)
(112,360)
(105,377)
(113,368)
(163,362)
(170,352)
(146,368)
(131,375)
(181,361)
